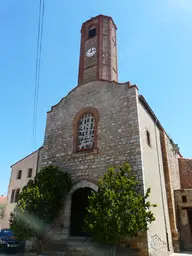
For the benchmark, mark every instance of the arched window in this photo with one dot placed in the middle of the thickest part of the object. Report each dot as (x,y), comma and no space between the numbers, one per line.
(85,129)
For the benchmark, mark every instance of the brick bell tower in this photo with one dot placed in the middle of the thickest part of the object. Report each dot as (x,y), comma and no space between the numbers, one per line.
(98,52)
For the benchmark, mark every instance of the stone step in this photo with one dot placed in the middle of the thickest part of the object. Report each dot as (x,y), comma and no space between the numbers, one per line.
(62,253)
(76,252)
(81,247)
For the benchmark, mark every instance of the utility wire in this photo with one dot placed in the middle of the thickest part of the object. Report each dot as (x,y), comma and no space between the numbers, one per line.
(38,64)
(40,52)
(36,70)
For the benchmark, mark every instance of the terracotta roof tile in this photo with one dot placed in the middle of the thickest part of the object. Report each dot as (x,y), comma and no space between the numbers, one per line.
(3,199)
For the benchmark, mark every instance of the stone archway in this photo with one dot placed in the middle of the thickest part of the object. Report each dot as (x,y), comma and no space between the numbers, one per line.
(78,211)
(68,205)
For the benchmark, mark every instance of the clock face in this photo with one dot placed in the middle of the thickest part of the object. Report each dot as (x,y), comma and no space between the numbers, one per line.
(91,52)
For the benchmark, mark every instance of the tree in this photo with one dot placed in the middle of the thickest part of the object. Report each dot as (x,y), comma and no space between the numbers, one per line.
(118,210)
(39,203)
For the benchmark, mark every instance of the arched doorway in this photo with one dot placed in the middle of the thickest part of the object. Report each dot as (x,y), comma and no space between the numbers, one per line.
(78,211)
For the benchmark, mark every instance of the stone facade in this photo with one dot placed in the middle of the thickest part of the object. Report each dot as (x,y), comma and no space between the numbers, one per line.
(185,166)
(118,131)
(121,125)
(118,138)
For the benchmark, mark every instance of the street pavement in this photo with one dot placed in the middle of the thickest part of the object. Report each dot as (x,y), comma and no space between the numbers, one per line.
(182,254)
(26,254)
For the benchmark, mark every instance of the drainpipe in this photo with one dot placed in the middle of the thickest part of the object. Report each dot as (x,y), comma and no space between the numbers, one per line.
(162,196)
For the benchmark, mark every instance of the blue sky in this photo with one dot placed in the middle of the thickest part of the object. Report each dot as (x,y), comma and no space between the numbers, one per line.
(154,52)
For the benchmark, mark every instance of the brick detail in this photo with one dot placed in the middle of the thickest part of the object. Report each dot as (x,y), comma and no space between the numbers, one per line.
(103,65)
(169,191)
(185,168)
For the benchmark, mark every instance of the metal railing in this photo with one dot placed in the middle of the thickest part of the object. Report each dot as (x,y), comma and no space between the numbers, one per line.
(56,225)
(41,238)
(87,244)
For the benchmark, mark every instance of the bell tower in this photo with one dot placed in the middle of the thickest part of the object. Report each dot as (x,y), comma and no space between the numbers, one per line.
(98,51)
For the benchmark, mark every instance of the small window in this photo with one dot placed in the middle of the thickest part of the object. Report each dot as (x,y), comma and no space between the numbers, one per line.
(12,196)
(19,174)
(17,195)
(29,175)
(92,32)
(184,199)
(148,138)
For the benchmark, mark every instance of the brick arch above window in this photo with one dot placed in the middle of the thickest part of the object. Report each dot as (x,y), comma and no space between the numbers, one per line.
(95,113)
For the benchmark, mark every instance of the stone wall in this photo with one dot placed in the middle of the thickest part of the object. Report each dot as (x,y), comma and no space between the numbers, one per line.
(173,157)
(118,131)
(118,136)
(119,139)
(185,166)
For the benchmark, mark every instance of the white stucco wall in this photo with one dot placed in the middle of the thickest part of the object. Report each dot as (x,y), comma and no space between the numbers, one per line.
(14,183)
(154,178)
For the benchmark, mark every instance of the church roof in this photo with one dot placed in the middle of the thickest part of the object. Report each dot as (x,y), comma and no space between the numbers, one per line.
(26,157)
(155,119)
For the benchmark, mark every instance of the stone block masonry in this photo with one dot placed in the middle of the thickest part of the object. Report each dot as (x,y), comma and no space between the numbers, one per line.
(118,131)
(117,134)
(118,140)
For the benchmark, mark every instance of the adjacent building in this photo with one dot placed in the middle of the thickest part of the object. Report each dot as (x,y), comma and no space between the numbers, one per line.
(21,172)
(183,200)
(103,123)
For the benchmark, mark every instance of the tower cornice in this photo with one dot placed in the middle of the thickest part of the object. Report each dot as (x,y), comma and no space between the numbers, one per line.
(96,17)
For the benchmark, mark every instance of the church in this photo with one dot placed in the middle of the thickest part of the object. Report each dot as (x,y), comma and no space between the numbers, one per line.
(103,123)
